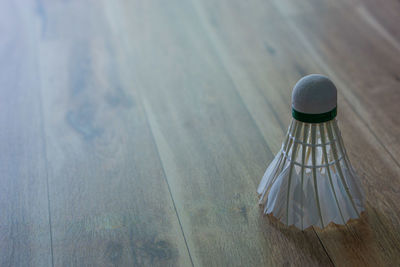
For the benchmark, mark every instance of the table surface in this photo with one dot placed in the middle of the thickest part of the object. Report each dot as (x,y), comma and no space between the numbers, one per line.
(134,133)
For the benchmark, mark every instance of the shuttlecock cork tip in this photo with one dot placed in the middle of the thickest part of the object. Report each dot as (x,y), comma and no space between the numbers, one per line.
(314,99)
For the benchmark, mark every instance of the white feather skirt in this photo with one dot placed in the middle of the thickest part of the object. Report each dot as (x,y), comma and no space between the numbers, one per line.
(311,182)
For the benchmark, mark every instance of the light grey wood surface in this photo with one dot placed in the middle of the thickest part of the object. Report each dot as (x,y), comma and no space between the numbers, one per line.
(134,133)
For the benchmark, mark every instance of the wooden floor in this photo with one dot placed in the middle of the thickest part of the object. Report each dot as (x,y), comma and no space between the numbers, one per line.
(134,133)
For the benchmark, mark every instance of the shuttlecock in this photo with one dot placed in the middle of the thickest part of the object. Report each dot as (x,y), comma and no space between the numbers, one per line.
(311,181)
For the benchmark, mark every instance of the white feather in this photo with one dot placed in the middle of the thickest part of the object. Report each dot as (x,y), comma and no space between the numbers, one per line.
(311,181)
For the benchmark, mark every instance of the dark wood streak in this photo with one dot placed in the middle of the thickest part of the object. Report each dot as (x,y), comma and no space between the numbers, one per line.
(134,133)
(118,96)
(207,141)
(81,120)
(41,12)
(362,243)
(114,252)
(149,251)
(107,190)
(80,69)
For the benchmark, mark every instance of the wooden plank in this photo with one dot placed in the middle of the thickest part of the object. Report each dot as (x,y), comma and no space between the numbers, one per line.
(309,7)
(273,64)
(366,66)
(25,238)
(383,17)
(211,150)
(110,202)
(211,81)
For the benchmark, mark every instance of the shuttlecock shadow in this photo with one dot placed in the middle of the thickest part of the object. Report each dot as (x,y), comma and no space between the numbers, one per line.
(358,241)
(302,242)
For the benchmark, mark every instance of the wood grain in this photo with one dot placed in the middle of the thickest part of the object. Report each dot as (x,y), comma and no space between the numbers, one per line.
(212,151)
(346,246)
(364,64)
(110,203)
(25,238)
(134,133)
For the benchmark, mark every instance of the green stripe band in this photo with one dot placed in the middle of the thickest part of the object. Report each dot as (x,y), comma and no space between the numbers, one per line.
(314,118)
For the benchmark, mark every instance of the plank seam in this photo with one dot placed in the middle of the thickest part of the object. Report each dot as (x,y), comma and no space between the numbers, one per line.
(378,27)
(44,147)
(307,45)
(322,244)
(311,49)
(217,43)
(168,185)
